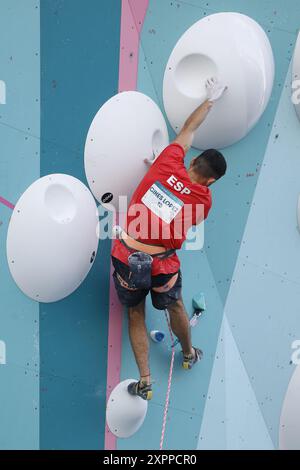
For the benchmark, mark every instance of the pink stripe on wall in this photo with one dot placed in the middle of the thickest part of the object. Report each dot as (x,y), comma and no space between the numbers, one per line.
(132,19)
(6,203)
(114,352)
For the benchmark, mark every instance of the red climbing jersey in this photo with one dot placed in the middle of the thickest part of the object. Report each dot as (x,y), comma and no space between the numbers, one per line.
(163,207)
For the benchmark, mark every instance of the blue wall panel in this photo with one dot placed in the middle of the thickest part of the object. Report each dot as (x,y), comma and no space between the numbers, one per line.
(79,72)
(19,167)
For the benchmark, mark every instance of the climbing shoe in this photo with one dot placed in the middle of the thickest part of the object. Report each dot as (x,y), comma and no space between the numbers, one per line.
(189,360)
(140,389)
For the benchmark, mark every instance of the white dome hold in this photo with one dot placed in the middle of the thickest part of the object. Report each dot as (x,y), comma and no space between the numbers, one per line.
(234,48)
(128,128)
(125,413)
(52,237)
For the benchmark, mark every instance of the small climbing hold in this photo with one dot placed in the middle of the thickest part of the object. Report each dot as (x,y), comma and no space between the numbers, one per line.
(157,336)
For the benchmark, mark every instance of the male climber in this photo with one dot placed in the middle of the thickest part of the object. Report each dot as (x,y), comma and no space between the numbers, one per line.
(144,256)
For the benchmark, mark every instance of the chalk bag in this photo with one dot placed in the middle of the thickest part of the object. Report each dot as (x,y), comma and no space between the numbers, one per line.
(140,270)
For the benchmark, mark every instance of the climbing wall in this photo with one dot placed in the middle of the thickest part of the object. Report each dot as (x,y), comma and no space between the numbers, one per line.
(234,399)
(61,60)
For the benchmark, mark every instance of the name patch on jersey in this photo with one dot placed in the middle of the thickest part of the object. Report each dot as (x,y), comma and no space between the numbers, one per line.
(162,202)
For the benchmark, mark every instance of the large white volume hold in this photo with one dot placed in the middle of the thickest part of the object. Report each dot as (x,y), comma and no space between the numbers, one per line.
(289,430)
(296,77)
(236,50)
(128,128)
(125,413)
(52,237)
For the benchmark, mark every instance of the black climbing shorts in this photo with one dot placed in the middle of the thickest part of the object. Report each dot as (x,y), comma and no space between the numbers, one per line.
(131,298)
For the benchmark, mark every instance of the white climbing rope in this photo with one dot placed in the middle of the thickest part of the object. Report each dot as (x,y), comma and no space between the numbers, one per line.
(169,384)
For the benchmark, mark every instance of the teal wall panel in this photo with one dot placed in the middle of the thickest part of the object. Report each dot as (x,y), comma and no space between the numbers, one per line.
(19,167)
(263,300)
(79,72)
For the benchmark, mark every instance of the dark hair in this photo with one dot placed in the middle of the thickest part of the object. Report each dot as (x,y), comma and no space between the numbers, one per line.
(210,164)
